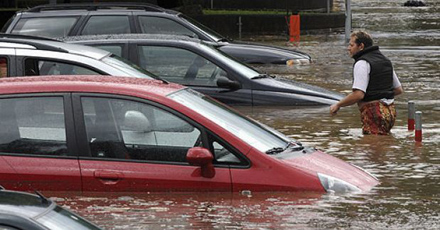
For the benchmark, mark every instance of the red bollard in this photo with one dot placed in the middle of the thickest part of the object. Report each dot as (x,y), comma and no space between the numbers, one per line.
(411,110)
(294,28)
(418,137)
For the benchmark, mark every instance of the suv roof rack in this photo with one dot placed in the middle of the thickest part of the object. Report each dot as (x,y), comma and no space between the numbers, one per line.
(96,6)
(21,36)
(22,39)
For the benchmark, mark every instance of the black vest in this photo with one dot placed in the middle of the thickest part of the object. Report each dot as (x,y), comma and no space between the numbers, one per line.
(381,74)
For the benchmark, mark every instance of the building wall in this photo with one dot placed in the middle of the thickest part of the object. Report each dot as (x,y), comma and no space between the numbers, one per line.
(227,25)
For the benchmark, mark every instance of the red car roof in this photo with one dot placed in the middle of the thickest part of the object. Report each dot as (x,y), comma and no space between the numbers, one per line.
(87,83)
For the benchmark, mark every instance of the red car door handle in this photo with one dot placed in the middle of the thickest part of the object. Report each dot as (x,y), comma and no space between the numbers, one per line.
(108,176)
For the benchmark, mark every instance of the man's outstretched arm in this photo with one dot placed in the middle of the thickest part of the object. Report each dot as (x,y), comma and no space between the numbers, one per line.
(352,98)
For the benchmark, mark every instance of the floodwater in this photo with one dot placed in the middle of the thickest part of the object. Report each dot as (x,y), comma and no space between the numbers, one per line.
(409,194)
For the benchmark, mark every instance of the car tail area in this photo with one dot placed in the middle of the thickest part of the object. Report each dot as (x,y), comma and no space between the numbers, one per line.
(335,175)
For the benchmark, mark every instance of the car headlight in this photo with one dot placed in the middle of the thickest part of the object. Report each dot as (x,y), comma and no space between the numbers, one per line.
(292,62)
(332,184)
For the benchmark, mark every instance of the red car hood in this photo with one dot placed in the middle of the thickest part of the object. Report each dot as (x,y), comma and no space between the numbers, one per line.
(324,163)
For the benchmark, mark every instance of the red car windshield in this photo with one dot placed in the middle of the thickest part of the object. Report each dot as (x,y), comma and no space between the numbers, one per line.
(252,132)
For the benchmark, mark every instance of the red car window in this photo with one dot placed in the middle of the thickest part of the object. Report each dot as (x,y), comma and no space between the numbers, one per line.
(33,126)
(131,130)
(33,145)
(139,147)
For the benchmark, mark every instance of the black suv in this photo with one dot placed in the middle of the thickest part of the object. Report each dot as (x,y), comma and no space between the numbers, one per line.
(120,18)
(20,210)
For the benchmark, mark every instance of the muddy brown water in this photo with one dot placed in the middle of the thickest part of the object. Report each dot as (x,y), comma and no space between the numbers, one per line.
(408,196)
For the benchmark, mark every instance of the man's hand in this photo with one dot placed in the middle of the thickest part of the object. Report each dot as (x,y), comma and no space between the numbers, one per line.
(352,98)
(334,109)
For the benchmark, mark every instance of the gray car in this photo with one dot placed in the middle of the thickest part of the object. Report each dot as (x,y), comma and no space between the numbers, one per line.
(20,210)
(205,68)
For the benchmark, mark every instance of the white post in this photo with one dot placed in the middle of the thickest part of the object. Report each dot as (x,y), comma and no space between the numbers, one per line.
(212,4)
(347,20)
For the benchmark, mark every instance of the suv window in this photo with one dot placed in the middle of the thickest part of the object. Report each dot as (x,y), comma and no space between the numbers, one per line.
(33,126)
(47,27)
(3,67)
(107,25)
(34,67)
(158,25)
(179,65)
(125,129)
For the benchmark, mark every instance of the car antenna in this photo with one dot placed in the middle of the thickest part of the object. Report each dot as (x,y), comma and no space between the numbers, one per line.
(43,199)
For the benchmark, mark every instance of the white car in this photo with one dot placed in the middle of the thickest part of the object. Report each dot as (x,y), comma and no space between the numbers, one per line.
(33,56)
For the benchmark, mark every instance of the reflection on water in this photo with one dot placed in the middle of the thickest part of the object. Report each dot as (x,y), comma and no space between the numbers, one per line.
(408,196)
(197,211)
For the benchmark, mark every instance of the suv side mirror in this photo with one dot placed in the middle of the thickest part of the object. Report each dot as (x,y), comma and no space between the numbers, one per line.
(198,156)
(224,82)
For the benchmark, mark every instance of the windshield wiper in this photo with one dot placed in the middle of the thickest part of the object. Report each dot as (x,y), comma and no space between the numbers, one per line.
(263,76)
(294,146)
(274,150)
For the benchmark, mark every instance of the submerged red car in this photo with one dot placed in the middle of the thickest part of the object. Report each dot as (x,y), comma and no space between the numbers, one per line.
(118,134)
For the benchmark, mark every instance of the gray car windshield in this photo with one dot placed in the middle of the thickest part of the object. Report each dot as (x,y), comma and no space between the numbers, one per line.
(242,68)
(252,132)
(127,67)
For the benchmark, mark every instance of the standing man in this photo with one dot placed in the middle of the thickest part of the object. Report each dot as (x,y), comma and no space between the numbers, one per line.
(375,84)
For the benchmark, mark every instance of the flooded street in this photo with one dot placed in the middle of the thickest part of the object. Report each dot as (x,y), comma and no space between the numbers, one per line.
(409,194)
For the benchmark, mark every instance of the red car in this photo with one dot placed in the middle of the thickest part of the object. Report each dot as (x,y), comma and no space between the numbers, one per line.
(118,134)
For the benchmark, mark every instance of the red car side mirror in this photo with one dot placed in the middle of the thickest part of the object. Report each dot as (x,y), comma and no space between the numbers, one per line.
(202,157)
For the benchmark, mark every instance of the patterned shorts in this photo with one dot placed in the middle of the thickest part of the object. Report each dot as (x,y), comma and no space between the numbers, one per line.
(377,118)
